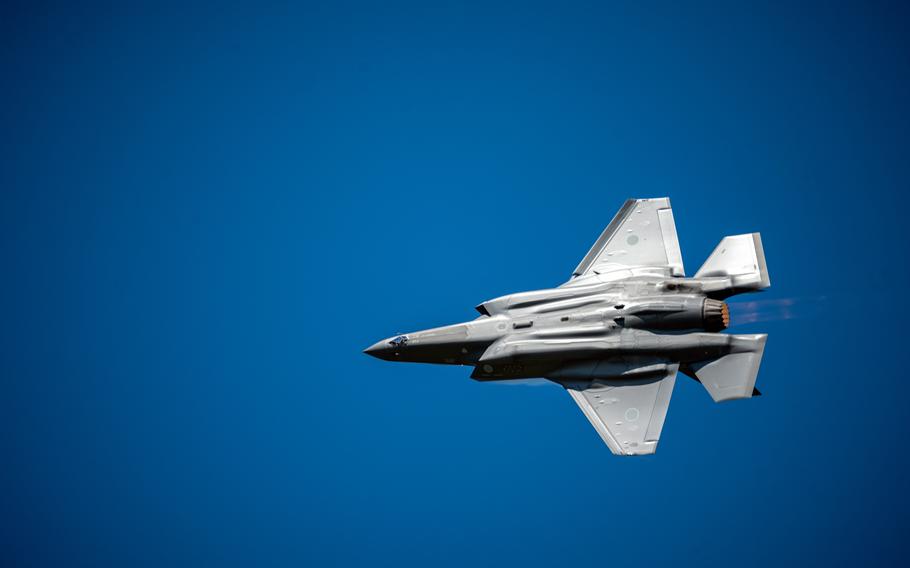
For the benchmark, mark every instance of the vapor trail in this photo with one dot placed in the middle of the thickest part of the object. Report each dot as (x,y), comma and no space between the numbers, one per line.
(775,310)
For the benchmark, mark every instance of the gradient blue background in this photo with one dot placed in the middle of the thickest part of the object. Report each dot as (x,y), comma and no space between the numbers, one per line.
(208,211)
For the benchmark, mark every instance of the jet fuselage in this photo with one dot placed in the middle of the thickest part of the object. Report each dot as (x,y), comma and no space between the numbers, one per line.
(551,332)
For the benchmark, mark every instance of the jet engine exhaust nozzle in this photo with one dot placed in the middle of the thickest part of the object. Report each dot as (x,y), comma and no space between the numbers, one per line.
(716,315)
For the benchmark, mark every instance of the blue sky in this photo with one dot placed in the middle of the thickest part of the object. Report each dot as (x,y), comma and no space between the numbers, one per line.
(208,211)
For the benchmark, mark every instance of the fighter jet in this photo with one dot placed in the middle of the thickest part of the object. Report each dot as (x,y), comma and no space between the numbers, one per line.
(618,331)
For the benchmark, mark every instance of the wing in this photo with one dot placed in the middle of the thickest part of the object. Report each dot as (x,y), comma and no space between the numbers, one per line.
(642,233)
(628,414)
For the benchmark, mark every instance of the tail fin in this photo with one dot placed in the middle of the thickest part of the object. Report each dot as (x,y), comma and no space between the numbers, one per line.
(733,376)
(737,265)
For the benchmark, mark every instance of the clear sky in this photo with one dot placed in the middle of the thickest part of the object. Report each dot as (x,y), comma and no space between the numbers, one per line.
(208,211)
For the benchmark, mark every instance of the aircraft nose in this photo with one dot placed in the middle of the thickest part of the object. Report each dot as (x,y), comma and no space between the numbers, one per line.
(380,349)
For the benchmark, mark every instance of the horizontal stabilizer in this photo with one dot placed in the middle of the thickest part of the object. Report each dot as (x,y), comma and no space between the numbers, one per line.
(737,265)
(733,376)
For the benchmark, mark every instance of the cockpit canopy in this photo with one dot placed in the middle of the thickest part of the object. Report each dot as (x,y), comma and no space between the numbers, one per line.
(399,341)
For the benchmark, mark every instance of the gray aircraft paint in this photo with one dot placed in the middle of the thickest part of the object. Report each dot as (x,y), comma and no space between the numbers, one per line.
(618,331)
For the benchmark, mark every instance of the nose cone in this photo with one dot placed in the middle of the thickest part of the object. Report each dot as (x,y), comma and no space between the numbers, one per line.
(388,349)
(380,350)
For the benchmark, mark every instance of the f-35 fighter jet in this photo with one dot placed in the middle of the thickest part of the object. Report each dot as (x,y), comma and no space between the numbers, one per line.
(616,334)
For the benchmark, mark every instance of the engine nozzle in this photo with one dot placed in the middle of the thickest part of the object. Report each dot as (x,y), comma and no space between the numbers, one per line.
(716,315)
